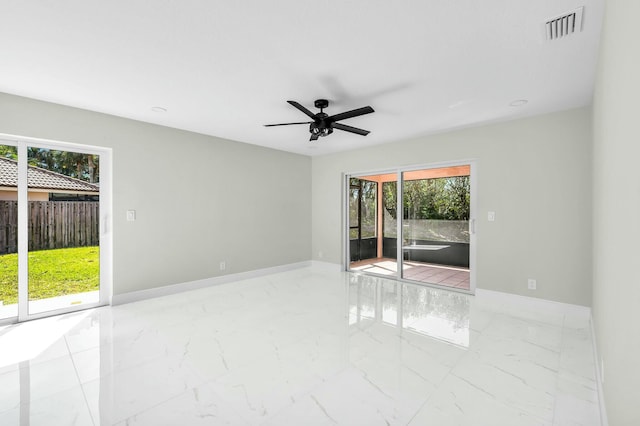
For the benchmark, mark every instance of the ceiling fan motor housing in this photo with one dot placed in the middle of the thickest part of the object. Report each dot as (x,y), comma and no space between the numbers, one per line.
(323,124)
(321,103)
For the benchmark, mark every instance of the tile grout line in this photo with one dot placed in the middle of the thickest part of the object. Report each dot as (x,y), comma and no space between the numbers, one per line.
(449,374)
(84,395)
(557,386)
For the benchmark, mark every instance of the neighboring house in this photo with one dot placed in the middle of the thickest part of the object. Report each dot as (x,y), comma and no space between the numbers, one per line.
(42,183)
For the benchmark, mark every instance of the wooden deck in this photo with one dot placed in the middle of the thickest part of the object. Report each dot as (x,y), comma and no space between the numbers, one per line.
(447,276)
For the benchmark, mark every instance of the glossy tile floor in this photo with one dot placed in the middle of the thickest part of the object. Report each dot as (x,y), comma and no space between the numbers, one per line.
(306,347)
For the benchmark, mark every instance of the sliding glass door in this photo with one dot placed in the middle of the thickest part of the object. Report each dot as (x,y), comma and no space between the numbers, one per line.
(54,204)
(426,226)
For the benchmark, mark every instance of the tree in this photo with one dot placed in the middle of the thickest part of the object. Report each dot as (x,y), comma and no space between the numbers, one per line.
(439,198)
(8,151)
(363,195)
(390,197)
(77,165)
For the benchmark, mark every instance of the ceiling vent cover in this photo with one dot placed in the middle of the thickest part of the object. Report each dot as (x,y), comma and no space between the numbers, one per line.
(564,25)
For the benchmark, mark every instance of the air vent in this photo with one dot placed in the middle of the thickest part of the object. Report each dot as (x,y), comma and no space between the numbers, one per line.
(564,25)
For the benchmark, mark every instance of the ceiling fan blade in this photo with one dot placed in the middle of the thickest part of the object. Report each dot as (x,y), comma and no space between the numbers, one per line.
(288,124)
(302,108)
(350,114)
(314,137)
(346,128)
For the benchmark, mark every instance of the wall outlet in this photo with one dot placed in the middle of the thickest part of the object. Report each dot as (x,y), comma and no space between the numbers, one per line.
(491,216)
(532,284)
(223,265)
(131,215)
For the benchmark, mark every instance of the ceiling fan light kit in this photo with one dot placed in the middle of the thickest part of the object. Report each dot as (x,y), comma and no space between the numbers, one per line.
(323,124)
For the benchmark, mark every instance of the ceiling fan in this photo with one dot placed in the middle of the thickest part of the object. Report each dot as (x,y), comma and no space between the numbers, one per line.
(323,124)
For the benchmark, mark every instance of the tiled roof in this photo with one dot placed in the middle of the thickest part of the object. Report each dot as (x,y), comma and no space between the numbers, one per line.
(41,178)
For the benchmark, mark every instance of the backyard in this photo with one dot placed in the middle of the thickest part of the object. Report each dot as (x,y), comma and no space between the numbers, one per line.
(52,273)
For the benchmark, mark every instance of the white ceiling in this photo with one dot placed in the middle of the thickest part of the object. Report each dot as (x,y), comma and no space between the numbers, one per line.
(225,68)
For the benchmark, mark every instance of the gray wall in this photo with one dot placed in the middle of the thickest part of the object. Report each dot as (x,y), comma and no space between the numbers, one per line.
(534,173)
(199,199)
(616,150)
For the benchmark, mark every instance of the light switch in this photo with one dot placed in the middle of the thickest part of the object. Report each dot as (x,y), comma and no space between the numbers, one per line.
(491,216)
(131,215)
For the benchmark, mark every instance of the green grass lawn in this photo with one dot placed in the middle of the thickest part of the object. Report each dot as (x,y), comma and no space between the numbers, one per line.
(52,273)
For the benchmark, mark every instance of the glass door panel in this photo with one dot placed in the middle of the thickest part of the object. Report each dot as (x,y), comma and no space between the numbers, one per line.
(372,241)
(368,244)
(354,218)
(435,226)
(8,231)
(63,229)
(363,220)
(390,219)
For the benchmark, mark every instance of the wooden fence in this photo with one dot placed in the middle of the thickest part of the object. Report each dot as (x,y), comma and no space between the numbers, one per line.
(52,224)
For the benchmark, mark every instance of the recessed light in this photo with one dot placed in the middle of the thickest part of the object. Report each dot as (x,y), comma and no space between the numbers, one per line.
(519,102)
(158,109)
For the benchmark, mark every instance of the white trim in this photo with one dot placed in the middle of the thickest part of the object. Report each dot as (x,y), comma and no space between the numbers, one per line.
(604,421)
(412,167)
(333,267)
(62,311)
(473,221)
(516,301)
(54,144)
(399,224)
(344,228)
(134,296)
(23,234)
(106,225)
(375,172)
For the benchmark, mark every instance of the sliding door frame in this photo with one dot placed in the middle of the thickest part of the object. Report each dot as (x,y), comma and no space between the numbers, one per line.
(399,209)
(105,225)
(346,187)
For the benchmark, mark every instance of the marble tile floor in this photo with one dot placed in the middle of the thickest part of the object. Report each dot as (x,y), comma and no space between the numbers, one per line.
(312,346)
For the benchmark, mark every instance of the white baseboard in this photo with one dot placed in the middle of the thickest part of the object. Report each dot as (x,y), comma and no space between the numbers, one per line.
(603,409)
(335,267)
(135,296)
(517,301)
